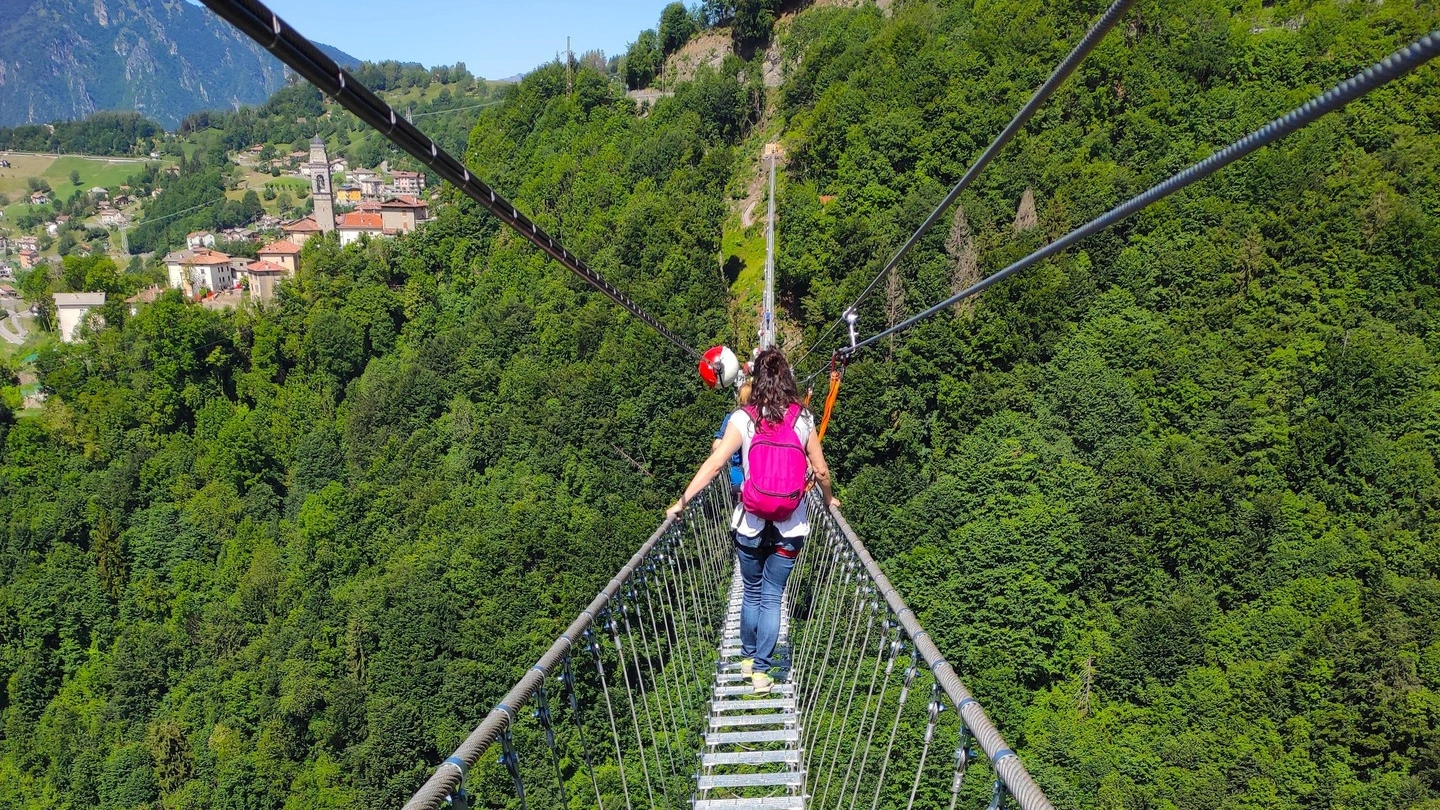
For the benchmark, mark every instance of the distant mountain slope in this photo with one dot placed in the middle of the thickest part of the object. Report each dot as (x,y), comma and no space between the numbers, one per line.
(64,59)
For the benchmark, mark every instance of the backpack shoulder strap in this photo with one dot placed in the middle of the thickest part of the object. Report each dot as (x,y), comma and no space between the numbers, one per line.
(792,414)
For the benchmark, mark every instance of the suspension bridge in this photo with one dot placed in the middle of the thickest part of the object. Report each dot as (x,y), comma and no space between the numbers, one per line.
(642,701)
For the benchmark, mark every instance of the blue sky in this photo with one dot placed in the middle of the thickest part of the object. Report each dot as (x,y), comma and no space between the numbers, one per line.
(493,39)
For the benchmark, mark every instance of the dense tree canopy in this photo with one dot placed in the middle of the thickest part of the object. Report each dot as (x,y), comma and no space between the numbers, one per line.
(1169,502)
(104,133)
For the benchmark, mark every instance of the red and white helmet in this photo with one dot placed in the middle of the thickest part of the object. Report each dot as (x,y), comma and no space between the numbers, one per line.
(719,366)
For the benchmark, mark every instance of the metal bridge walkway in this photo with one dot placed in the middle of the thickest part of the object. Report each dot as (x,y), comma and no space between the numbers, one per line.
(752,756)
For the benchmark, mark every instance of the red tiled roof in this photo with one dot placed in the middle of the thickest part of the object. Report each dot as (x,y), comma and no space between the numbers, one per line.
(301,225)
(283,247)
(145,296)
(368,205)
(210,257)
(265,267)
(403,201)
(361,221)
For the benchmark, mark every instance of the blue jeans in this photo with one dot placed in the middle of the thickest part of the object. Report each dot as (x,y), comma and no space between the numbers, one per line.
(765,574)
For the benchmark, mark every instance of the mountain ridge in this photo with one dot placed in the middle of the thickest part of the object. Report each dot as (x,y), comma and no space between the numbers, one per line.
(66,59)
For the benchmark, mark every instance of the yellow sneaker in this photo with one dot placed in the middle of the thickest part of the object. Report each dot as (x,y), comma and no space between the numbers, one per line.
(747,666)
(762,683)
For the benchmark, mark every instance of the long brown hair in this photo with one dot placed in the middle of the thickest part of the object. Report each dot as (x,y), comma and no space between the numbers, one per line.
(774,388)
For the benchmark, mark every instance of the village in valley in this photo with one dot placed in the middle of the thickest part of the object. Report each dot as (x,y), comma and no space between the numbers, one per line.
(365,206)
(355,204)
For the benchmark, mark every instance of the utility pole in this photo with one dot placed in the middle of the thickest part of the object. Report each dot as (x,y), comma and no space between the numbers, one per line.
(767,313)
(569,68)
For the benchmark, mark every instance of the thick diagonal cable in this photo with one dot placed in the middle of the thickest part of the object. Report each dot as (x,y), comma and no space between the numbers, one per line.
(1062,72)
(1389,69)
(259,23)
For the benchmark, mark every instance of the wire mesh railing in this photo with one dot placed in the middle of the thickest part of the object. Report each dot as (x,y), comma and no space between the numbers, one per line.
(885,721)
(611,716)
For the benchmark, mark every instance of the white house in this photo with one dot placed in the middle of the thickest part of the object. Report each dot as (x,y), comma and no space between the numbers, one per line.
(200,239)
(356,224)
(202,269)
(71,309)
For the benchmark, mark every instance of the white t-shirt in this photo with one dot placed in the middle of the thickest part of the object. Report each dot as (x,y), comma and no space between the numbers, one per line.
(798,524)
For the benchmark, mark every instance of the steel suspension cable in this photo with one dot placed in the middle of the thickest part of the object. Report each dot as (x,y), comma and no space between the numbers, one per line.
(883,644)
(1387,70)
(621,664)
(259,23)
(597,653)
(568,678)
(1062,72)
(895,646)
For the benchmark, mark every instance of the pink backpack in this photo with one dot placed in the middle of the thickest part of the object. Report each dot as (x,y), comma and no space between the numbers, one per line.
(776,480)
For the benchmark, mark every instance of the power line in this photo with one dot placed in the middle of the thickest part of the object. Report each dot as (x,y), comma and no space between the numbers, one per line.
(177,213)
(1391,68)
(1062,72)
(259,23)
(457,109)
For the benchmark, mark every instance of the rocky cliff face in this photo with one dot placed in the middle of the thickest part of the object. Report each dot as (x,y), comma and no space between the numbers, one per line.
(63,59)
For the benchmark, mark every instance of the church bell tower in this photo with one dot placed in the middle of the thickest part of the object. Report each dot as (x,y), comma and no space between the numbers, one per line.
(321,191)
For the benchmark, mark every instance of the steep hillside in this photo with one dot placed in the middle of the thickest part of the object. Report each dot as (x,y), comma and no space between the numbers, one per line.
(65,59)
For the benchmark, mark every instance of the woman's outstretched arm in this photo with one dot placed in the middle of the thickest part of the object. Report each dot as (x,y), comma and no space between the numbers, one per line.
(719,456)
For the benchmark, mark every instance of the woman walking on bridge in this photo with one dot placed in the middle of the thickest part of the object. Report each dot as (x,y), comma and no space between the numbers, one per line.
(775,436)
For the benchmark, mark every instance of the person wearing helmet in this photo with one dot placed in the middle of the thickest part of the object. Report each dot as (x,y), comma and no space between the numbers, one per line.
(737,464)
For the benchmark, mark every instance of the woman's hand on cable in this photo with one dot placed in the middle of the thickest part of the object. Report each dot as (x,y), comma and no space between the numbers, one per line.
(675,509)
(834,502)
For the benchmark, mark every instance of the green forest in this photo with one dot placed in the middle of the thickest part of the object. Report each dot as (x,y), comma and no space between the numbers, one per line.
(1169,502)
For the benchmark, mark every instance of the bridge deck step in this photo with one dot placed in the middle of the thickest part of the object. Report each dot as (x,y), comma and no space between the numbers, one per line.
(767,803)
(742,780)
(751,737)
(784,704)
(738,720)
(746,689)
(767,725)
(787,756)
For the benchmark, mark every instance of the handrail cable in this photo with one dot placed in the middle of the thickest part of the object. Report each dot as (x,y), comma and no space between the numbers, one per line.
(1062,72)
(259,23)
(1387,70)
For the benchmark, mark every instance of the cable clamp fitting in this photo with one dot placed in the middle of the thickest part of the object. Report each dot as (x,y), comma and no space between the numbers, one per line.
(851,316)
